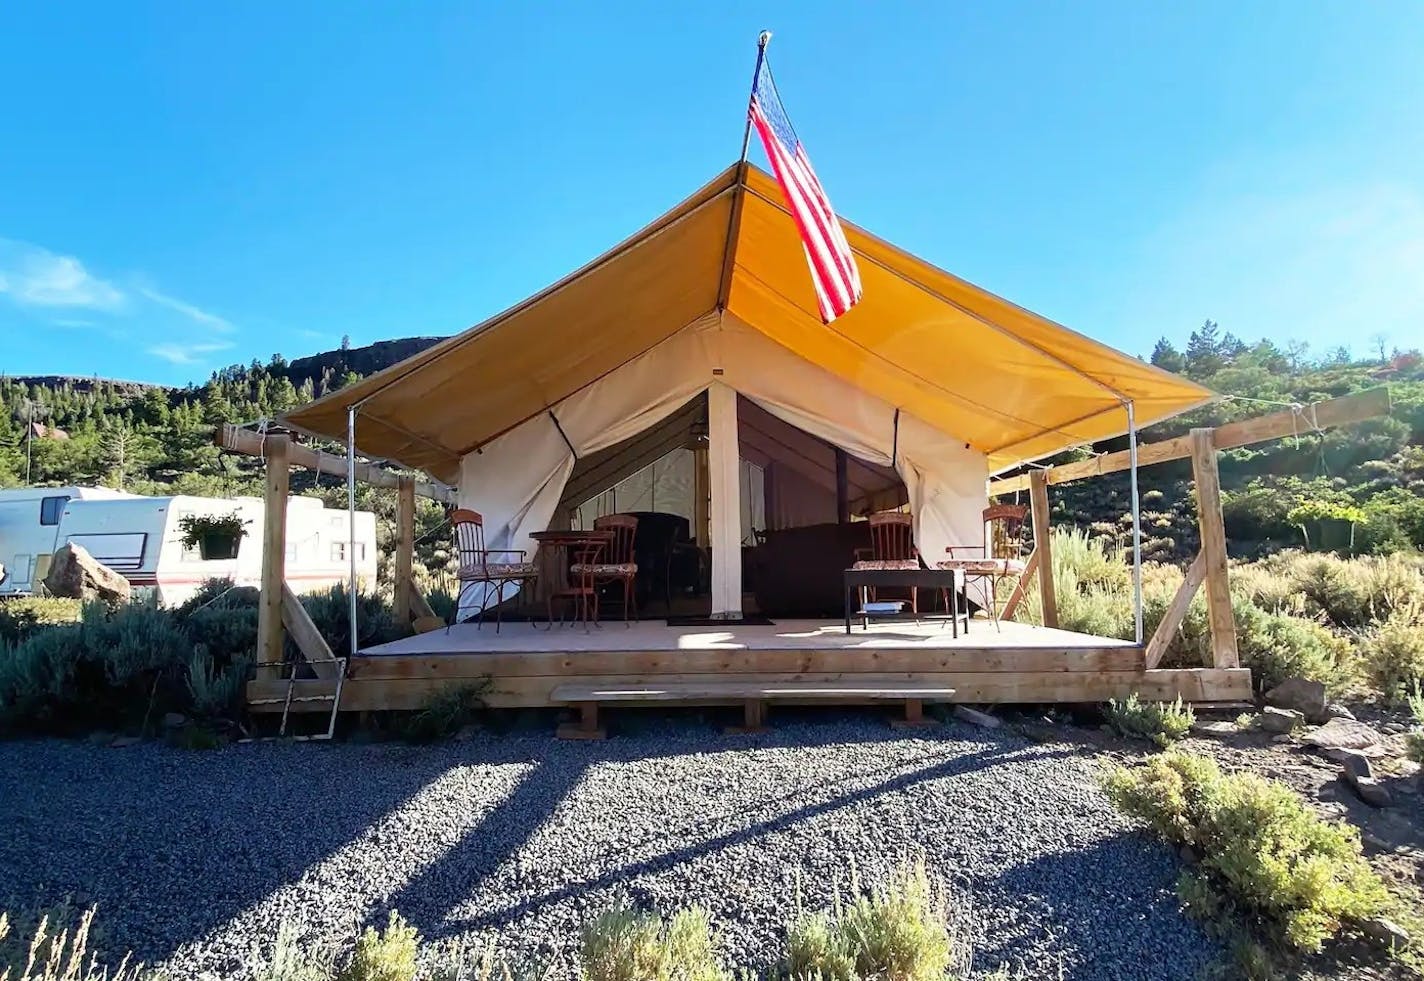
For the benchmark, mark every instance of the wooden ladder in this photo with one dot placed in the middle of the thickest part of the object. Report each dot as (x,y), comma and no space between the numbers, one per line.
(291,697)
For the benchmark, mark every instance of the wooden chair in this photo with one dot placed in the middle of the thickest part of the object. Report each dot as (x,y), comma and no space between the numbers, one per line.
(997,557)
(892,546)
(476,569)
(617,563)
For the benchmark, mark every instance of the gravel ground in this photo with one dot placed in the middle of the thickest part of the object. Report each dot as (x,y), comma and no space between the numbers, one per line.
(194,856)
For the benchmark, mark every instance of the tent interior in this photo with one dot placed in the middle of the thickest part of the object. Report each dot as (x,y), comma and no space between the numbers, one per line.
(798,492)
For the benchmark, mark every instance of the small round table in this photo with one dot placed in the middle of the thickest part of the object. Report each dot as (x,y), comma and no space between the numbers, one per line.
(554,550)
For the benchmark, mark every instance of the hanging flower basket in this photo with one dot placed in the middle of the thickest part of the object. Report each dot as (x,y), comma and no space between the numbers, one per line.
(216,537)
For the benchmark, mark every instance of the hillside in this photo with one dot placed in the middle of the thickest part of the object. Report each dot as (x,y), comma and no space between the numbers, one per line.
(155,440)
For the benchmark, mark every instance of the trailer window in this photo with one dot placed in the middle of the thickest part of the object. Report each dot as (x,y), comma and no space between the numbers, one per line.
(338,551)
(51,508)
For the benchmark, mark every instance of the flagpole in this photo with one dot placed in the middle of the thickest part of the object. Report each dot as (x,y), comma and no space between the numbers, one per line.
(724,285)
(763,39)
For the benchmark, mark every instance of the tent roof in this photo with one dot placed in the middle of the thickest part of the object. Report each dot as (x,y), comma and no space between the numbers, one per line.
(1010,383)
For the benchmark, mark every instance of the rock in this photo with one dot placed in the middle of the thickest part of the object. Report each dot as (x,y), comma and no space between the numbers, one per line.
(1301,695)
(1218,728)
(467,733)
(174,720)
(1356,764)
(1370,790)
(1384,931)
(1337,711)
(1346,734)
(1274,719)
(975,717)
(76,574)
(121,741)
(1283,739)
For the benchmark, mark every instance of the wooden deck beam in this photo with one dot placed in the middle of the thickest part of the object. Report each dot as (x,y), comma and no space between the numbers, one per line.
(1191,684)
(1341,411)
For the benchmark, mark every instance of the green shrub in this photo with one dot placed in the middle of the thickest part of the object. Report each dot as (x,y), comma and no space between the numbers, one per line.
(1277,646)
(624,944)
(898,932)
(445,712)
(22,616)
(1414,739)
(289,959)
(1394,653)
(330,611)
(1266,859)
(1162,722)
(216,692)
(387,955)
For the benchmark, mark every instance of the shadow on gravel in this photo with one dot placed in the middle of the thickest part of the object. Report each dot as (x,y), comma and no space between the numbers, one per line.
(181,842)
(512,825)
(1114,908)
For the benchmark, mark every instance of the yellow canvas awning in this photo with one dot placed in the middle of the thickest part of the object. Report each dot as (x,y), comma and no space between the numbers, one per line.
(1008,382)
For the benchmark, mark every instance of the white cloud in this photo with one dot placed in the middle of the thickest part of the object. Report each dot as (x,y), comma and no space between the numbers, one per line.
(187,353)
(74,323)
(34,276)
(188,310)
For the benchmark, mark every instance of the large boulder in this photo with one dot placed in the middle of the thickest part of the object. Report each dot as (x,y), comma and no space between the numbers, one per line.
(76,574)
(1301,695)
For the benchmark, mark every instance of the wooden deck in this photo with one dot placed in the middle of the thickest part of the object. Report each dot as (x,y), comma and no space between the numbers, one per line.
(525,663)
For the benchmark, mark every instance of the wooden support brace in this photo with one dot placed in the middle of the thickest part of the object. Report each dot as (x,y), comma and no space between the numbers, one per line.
(307,636)
(1213,550)
(1043,548)
(587,726)
(1021,587)
(914,716)
(274,552)
(1162,637)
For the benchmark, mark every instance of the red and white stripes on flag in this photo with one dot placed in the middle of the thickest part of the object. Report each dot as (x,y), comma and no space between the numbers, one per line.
(833,269)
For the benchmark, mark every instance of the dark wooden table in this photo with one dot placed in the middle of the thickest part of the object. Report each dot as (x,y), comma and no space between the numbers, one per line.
(554,548)
(857,580)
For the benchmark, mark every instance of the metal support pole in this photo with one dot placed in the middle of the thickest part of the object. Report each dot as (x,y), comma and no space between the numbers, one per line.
(351,518)
(1136,524)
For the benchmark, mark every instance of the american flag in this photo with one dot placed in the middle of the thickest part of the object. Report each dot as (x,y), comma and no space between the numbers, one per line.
(833,269)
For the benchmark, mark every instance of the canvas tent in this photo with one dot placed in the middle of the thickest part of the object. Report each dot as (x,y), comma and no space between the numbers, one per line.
(929,376)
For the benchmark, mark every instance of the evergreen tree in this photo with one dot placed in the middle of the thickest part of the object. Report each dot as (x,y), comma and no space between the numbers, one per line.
(1167,357)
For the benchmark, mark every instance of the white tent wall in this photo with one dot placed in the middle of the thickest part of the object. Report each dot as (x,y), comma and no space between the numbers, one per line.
(516,480)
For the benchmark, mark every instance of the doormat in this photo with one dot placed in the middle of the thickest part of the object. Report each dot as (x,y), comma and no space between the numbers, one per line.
(755,620)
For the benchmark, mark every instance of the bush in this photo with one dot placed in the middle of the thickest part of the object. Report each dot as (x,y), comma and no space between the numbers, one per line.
(289,961)
(216,692)
(330,611)
(388,955)
(59,951)
(1394,653)
(1277,646)
(1162,722)
(22,616)
(898,932)
(1266,859)
(445,712)
(1414,739)
(624,944)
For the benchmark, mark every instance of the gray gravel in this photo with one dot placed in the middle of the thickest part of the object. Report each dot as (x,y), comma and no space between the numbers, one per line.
(193,856)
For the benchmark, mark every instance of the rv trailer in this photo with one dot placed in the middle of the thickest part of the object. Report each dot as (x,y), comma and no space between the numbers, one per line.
(140,538)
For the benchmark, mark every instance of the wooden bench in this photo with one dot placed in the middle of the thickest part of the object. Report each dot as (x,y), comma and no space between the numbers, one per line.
(753,697)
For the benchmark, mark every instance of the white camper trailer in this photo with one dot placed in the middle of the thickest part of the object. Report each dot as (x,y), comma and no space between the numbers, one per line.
(139,538)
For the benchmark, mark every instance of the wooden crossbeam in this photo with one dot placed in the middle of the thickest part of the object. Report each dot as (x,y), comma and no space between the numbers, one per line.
(1162,637)
(248,443)
(1276,425)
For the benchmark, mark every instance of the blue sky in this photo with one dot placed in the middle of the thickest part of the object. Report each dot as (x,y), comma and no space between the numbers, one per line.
(184,186)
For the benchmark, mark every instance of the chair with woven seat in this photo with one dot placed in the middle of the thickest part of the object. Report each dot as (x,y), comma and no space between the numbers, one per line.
(892,546)
(475,568)
(617,564)
(997,557)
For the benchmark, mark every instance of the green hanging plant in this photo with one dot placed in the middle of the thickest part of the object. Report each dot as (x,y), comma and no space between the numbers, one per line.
(216,536)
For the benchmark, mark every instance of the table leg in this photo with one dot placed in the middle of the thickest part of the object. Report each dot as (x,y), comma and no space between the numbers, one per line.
(848,592)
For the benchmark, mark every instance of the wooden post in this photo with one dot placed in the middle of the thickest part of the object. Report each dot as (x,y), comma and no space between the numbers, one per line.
(842,487)
(1038,498)
(405,548)
(701,495)
(274,553)
(1213,550)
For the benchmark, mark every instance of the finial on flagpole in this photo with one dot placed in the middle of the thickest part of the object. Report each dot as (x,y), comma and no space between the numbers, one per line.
(763,39)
